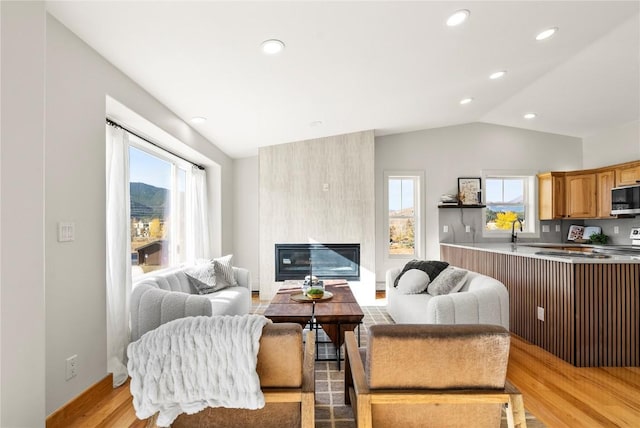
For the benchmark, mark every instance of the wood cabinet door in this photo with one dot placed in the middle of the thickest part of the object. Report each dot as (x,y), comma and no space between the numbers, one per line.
(551,196)
(627,175)
(581,195)
(605,181)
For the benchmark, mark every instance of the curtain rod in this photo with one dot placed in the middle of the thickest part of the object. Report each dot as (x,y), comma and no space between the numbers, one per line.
(117,125)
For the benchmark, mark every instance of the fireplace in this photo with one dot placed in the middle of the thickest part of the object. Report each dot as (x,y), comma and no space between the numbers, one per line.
(326,261)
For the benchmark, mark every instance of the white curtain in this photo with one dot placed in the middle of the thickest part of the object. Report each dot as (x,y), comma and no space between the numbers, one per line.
(198,224)
(118,253)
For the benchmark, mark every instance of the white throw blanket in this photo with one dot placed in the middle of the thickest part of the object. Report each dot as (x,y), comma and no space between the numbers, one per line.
(192,363)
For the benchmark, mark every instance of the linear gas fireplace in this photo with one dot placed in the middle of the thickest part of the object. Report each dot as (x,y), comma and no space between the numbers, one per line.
(326,261)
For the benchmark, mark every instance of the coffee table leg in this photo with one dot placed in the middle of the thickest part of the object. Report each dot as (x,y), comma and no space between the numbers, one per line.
(338,347)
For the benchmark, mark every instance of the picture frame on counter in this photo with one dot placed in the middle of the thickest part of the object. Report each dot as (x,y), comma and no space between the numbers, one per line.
(470,190)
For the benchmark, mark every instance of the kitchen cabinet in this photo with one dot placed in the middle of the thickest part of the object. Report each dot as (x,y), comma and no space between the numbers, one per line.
(583,194)
(628,174)
(580,191)
(551,195)
(605,181)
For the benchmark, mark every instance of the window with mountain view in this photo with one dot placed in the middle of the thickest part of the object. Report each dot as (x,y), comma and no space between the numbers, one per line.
(507,199)
(157,186)
(403,202)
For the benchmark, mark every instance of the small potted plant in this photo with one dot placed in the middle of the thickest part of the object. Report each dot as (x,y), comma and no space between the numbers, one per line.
(315,293)
(598,238)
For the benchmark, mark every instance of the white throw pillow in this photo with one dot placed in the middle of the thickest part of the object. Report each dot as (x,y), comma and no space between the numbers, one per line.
(414,281)
(224,270)
(448,281)
(203,278)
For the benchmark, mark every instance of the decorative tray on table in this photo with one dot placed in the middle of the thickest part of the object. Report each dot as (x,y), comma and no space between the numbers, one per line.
(301,297)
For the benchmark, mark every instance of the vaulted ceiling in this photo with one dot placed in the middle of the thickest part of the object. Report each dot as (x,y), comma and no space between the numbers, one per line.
(388,66)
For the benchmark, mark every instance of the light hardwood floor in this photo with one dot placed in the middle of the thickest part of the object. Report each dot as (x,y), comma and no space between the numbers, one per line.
(561,395)
(557,393)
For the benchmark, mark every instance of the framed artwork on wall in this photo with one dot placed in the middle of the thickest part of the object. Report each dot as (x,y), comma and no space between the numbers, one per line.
(470,190)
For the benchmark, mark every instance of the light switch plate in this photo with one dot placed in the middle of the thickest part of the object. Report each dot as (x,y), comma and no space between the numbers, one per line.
(540,313)
(545,228)
(66,231)
(557,228)
(445,228)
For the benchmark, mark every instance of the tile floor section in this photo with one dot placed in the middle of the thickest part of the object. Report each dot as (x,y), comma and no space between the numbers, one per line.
(331,411)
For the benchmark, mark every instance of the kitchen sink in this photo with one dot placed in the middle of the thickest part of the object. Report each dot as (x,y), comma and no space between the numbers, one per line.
(557,253)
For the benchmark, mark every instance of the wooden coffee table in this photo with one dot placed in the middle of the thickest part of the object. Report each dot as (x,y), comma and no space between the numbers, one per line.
(335,316)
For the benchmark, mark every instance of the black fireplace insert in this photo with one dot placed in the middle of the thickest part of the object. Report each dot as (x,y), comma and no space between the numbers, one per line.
(326,261)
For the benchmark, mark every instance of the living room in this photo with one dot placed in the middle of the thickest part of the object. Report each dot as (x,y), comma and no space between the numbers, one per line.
(56,98)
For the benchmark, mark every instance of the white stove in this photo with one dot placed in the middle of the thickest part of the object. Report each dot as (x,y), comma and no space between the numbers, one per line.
(635,236)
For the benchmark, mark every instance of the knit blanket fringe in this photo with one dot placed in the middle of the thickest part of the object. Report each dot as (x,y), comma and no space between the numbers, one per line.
(192,363)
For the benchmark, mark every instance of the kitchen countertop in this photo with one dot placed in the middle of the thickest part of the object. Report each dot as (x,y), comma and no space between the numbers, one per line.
(530,250)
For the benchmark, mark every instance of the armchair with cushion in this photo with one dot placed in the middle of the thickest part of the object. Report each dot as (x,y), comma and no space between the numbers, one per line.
(287,379)
(431,375)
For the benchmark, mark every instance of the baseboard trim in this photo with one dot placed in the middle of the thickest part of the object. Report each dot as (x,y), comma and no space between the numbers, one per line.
(86,400)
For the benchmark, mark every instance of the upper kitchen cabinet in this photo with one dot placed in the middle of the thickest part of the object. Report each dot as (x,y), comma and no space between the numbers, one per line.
(628,173)
(580,190)
(605,181)
(551,195)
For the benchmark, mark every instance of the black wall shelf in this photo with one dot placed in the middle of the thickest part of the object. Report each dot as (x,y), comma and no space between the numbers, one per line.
(462,206)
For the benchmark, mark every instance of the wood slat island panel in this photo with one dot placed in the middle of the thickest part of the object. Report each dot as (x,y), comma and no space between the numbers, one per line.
(591,311)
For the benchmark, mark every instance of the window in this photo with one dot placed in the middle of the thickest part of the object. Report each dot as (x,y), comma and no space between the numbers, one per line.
(403,215)
(157,191)
(509,197)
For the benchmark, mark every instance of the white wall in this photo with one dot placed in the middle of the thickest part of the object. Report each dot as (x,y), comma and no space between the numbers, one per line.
(78,81)
(246,230)
(616,145)
(462,151)
(22,310)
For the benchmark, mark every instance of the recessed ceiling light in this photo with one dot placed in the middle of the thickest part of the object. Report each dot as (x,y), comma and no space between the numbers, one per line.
(530,115)
(458,17)
(497,74)
(198,119)
(316,123)
(546,33)
(272,46)
(466,101)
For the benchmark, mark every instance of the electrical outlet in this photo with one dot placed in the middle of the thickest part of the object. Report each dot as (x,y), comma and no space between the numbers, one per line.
(557,228)
(445,229)
(467,229)
(545,228)
(71,367)
(540,313)
(616,230)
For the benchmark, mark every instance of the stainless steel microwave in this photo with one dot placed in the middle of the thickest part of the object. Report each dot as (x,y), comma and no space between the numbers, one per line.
(625,200)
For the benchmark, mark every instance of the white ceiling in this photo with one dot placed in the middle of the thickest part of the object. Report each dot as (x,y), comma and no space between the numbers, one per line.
(389,66)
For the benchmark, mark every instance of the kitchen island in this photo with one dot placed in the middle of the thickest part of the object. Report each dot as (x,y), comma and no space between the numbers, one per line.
(585,310)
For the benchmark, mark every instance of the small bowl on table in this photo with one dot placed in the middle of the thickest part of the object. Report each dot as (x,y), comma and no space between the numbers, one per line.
(315,293)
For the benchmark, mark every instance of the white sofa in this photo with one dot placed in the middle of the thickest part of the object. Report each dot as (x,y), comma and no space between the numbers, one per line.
(167,296)
(481,300)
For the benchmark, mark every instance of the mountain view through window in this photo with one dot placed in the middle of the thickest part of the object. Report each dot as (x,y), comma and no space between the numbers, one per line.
(157,202)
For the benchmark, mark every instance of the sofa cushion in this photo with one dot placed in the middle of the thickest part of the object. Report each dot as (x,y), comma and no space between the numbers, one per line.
(414,281)
(450,280)
(203,278)
(430,267)
(224,271)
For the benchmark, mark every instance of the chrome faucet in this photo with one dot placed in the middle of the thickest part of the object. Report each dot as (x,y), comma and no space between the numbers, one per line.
(514,236)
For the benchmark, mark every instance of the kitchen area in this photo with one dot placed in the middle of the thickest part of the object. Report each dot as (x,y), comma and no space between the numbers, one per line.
(573,297)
